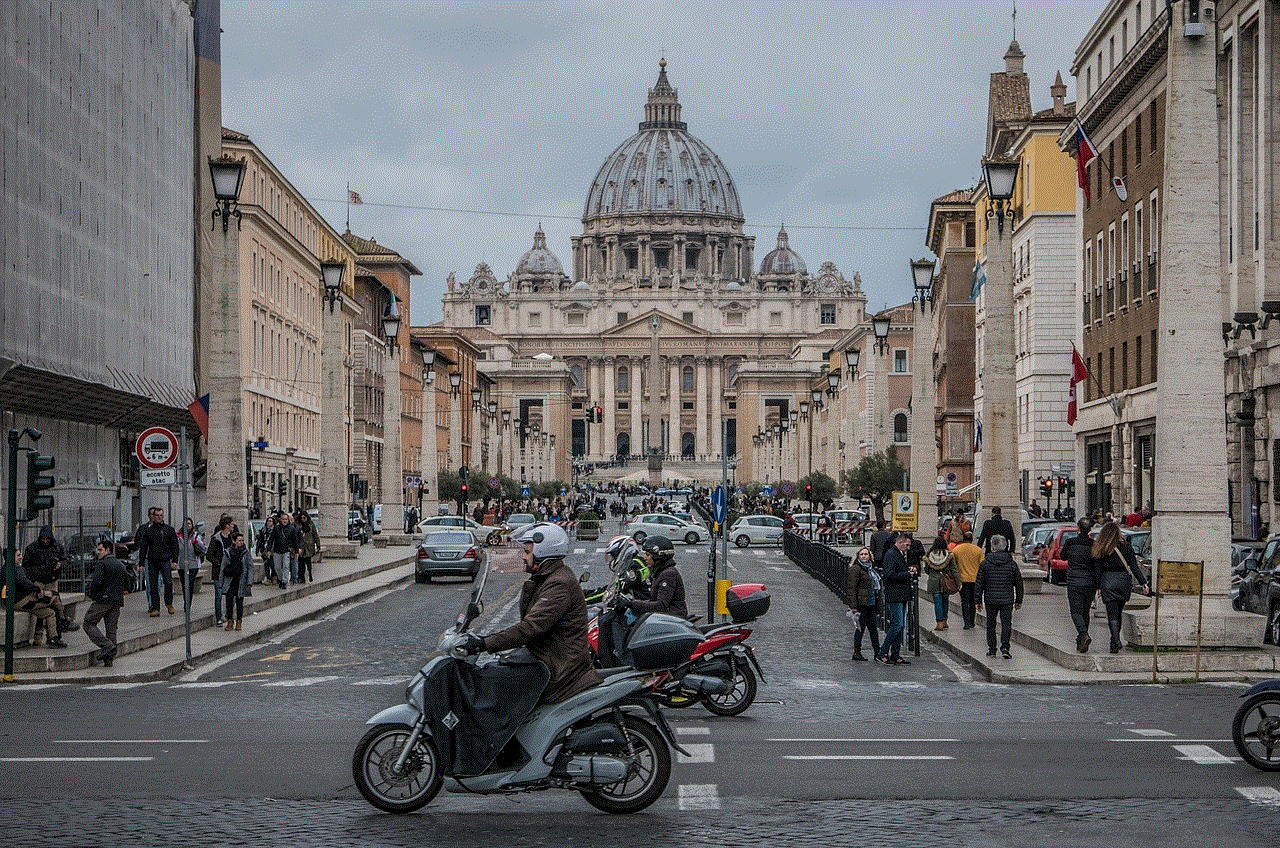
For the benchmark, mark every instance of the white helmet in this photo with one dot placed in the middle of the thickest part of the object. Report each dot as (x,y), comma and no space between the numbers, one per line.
(549,540)
(620,550)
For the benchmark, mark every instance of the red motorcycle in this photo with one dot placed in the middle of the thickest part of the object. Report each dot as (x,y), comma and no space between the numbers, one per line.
(720,672)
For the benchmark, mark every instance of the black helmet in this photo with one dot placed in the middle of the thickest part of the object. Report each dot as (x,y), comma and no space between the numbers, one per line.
(660,546)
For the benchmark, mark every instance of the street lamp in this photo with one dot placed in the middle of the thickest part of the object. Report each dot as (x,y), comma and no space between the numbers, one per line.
(880,326)
(922,276)
(833,383)
(804,409)
(1000,176)
(924,446)
(227,173)
(455,380)
(493,409)
(331,276)
(475,398)
(391,321)
(428,365)
(852,355)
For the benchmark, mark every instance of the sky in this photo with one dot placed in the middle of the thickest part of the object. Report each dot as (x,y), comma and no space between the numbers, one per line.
(464,125)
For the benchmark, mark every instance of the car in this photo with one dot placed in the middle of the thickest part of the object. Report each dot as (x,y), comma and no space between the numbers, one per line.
(516,520)
(1246,554)
(662,524)
(1050,556)
(756,530)
(1035,536)
(357,531)
(1260,590)
(447,552)
(455,522)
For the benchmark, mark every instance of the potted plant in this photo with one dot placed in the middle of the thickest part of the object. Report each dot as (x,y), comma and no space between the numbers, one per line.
(588,524)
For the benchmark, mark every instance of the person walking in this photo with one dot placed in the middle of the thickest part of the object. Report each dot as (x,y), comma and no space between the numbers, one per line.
(968,557)
(881,540)
(190,552)
(236,562)
(898,578)
(1118,570)
(999,587)
(285,544)
(265,552)
(940,567)
(158,548)
(996,525)
(106,591)
(218,544)
(310,547)
(862,595)
(1082,581)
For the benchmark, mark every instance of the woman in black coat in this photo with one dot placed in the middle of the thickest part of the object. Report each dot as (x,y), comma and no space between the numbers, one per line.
(1117,568)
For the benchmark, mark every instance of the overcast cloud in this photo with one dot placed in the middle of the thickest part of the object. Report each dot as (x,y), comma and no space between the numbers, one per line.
(834,114)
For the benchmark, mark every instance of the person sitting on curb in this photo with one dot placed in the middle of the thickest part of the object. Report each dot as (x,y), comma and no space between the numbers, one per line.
(33,598)
(43,559)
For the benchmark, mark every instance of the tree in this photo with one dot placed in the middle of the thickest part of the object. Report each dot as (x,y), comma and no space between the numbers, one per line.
(877,477)
(824,488)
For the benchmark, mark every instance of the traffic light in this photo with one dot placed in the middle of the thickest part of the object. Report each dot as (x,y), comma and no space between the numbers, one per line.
(1071,487)
(599,414)
(1062,484)
(591,415)
(464,491)
(37,482)
(283,488)
(1046,487)
(808,491)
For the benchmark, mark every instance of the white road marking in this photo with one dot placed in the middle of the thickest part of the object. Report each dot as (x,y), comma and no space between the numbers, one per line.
(699,796)
(205,684)
(1227,684)
(698,754)
(579,550)
(381,681)
(855,740)
(1163,740)
(892,684)
(130,741)
(864,757)
(30,687)
(121,685)
(1148,731)
(961,673)
(815,684)
(694,731)
(1202,755)
(75,759)
(302,681)
(1267,796)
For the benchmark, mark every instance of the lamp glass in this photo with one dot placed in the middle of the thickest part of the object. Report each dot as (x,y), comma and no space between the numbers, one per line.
(227,173)
(880,325)
(455,379)
(834,379)
(853,356)
(506,416)
(428,357)
(475,395)
(922,276)
(391,318)
(816,394)
(1000,176)
(804,407)
(331,275)
(493,407)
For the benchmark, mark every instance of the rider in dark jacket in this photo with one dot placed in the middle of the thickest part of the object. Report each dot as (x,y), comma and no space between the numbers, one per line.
(667,594)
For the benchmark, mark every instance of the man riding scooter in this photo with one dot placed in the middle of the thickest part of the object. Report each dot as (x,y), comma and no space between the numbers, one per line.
(665,596)
(615,620)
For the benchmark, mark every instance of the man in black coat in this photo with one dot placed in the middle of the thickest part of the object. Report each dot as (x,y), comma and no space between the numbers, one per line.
(996,525)
(898,577)
(880,542)
(32,597)
(999,586)
(43,559)
(106,590)
(1082,580)
(158,548)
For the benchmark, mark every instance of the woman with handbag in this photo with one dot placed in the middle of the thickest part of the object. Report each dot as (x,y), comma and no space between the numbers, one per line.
(1118,571)
(944,581)
(862,593)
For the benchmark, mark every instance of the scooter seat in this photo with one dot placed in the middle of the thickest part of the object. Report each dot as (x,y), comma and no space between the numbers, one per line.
(707,628)
(606,673)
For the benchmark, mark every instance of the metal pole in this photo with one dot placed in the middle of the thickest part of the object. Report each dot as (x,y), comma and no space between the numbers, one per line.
(1199,618)
(10,555)
(724,528)
(1155,634)
(184,465)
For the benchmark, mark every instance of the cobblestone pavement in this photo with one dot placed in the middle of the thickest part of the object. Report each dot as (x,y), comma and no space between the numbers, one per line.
(543,820)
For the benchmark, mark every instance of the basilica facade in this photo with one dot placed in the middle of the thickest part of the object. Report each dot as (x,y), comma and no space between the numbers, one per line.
(663,338)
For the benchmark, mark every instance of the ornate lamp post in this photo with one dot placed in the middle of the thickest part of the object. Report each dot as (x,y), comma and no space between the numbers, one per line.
(392,407)
(880,327)
(924,447)
(455,419)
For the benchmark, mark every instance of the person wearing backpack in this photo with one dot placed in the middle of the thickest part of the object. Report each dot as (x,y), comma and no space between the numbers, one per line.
(862,593)
(218,544)
(236,563)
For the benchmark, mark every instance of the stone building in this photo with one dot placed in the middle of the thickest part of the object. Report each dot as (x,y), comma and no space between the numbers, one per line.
(662,320)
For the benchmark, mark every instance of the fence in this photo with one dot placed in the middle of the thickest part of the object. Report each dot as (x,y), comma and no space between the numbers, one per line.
(77,529)
(831,568)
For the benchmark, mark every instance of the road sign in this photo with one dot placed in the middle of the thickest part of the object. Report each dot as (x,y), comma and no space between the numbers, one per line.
(157,476)
(906,512)
(156,447)
(718,503)
(767,491)
(493,482)
(524,490)
(787,489)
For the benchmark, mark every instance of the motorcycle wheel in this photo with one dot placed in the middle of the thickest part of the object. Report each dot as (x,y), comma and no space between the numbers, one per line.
(494,539)
(740,697)
(1256,731)
(371,767)
(646,778)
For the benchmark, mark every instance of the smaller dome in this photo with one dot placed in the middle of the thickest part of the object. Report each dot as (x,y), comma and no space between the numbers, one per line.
(582,286)
(538,261)
(543,357)
(733,285)
(782,260)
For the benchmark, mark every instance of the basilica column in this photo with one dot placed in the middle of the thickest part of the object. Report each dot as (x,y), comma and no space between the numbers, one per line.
(700,409)
(716,366)
(595,377)
(673,404)
(636,374)
(609,443)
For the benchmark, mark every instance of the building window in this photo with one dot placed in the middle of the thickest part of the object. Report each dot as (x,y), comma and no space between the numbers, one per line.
(482,314)
(900,427)
(691,258)
(733,318)
(899,362)
(575,372)
(535,319)
(686,379)
(624,379)
(576,319)
(622,317)
(687,406)
(970,234)
(687,317)
(775,319)
(827,313)
(661,258)
(633,258)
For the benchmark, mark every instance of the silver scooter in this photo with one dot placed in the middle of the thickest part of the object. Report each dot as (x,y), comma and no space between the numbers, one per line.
(475,728)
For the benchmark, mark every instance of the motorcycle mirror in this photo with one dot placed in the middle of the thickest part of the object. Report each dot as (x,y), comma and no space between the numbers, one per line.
(584,577)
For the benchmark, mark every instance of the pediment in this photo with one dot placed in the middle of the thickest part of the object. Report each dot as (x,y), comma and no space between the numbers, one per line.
(638,327)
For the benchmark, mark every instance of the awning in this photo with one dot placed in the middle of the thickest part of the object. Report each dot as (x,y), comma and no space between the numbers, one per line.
(145,403)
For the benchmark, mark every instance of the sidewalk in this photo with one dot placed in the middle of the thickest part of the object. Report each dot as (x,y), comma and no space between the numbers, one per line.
(155,648)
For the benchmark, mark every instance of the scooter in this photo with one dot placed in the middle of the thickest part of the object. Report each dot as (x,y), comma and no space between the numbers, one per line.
(1256,729)
(610,743)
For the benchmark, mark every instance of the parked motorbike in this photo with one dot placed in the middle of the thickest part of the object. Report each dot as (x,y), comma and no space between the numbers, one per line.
(1256,729)
(610,743)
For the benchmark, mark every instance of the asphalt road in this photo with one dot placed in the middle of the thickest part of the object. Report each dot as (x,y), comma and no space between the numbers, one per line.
(256,751)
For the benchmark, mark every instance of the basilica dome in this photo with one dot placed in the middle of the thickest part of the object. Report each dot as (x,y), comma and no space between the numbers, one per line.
(782,260)
(538,261)
(662,169)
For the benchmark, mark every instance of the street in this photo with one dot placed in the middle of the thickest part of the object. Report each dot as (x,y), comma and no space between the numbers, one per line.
(257,748)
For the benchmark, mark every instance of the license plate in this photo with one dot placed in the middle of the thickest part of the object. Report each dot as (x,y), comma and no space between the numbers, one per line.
(447,555)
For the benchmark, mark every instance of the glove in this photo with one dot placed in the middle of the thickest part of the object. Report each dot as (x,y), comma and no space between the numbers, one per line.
(473,644)
(623,602)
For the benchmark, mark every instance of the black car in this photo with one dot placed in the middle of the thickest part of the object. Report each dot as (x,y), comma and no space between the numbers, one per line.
(1260,589)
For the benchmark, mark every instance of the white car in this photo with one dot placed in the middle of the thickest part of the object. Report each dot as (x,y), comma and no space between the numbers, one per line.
(757,530)
(442,522)
(662,524)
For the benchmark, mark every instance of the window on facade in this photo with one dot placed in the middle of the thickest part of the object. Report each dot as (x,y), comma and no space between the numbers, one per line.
(691,258)
(1111,369)
(900,427)
(733,318)
(1137,361)
(1154,355)
(662,257)
(1124,365)
(1155,132)
(775,319)
(576,319)
(622,317)
(827,313)
(1137,141)
(1153,244)
(687,405)
(1111,299)
(733,371)
(482,314)
(633,258)
(687,317)
(970,234)
(686,379)
(624,379)
(899,362)
(535,319)
(575,371)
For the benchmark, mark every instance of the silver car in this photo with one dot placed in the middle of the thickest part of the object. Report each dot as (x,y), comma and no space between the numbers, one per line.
(756,530)
(455,522)
(662,524)
(447,552)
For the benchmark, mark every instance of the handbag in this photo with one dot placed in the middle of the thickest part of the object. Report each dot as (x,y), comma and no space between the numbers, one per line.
(1133,571)
(948,583)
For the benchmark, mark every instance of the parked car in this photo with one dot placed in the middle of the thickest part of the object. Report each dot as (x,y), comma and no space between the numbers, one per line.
(756,530)
(1035,537)
(447,552)
(516,520)
(357,530)
(455,522)
(1050,556)
(1246,554)
(1260,590)
(662,524)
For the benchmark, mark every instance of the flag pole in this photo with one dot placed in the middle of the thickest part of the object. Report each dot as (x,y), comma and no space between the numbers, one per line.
(348,206)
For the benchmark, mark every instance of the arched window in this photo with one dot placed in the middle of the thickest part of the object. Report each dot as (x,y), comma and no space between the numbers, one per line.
(900,427)
(575,371)
(624,444)
(686,446)
(624,378)
(686,379)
